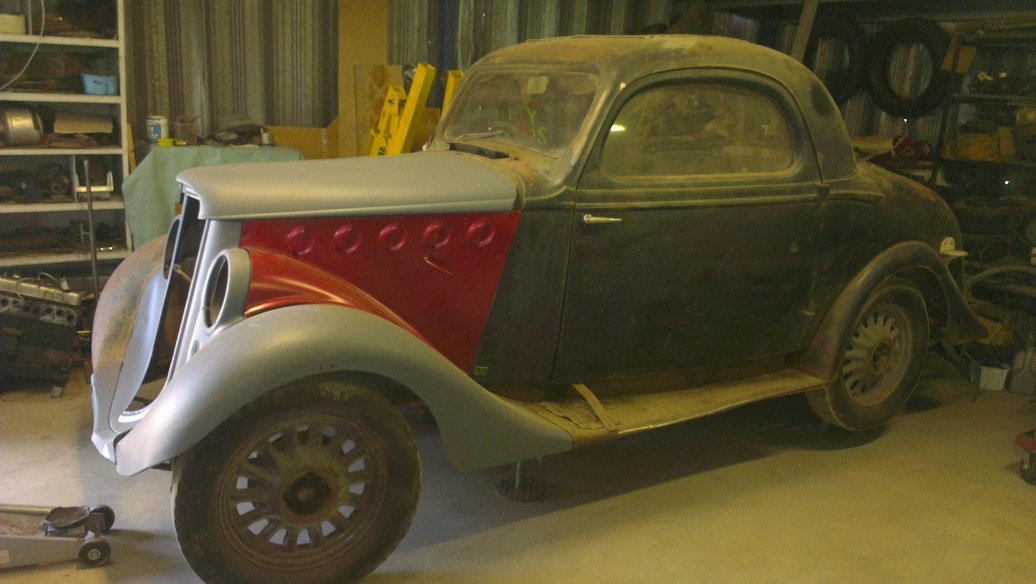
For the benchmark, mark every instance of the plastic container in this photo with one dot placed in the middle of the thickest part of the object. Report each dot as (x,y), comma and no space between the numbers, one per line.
(987,378)
(100,84)
(157,128)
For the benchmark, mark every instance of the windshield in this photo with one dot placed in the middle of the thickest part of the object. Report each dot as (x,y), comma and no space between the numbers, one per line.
(541,110)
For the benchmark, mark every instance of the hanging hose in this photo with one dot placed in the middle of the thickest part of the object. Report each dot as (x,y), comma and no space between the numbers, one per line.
(43,23)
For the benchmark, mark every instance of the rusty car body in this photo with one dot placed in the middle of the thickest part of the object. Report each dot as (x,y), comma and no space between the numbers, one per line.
(605,235)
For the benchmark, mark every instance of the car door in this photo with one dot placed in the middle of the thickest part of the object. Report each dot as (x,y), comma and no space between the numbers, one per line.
(695,239)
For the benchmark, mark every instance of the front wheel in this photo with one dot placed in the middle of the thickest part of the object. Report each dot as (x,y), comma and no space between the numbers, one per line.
(882,358)
(316,481)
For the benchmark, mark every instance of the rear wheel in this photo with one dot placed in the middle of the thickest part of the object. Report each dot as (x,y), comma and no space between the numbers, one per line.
(314,482)
(882,357)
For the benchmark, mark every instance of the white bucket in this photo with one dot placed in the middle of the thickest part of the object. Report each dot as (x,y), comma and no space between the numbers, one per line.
(157,128)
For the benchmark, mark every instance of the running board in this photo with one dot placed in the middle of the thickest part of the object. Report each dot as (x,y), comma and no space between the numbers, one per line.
(588,419)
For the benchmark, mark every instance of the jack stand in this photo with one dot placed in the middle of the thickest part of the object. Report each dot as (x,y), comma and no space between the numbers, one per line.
(520,487)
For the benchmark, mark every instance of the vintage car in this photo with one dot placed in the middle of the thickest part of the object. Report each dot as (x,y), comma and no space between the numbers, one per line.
(605,235)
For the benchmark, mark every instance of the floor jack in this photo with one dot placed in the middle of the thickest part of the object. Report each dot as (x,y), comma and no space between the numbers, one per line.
(43,535)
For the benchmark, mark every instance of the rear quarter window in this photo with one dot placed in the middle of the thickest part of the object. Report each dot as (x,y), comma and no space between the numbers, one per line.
(698,129)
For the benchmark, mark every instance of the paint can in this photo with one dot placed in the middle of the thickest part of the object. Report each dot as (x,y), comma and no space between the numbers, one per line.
(157,128)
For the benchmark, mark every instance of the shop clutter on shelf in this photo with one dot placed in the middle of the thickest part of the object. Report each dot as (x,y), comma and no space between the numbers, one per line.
(988,159)
(49,183)
(57,72)
(83,18)
(44,126)
(52,183)
(999,131)
(72,238)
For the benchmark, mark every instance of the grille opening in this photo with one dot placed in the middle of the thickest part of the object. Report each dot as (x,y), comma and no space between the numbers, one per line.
(181,254)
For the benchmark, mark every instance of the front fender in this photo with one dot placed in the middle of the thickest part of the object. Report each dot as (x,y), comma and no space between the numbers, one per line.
(821,359)
(479,429)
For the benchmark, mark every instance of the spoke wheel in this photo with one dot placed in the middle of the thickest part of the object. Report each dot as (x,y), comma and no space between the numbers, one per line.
(301,492)
(882,357)
(298,486)
(877,356)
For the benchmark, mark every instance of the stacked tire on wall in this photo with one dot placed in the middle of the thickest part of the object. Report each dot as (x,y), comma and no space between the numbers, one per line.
(870,62)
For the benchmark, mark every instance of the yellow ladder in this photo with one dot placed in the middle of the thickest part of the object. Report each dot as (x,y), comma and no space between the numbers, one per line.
(394,132)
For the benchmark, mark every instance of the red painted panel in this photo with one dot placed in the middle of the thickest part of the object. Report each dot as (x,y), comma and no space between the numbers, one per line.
(282,280)
(436,275)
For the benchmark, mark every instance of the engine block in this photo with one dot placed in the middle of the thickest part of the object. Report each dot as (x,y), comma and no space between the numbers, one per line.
(37,330)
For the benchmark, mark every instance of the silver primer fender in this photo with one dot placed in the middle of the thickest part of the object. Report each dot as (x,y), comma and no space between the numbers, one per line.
(264,352)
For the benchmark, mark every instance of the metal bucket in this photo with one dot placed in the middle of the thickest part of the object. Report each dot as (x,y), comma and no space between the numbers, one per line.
(20,126)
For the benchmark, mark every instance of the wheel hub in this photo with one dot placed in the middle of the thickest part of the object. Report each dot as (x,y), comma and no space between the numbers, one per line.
(881,359)
(874,355)
(302,492)
(306,495)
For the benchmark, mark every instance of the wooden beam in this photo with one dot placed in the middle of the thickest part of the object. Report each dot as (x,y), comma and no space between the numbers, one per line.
(802,31)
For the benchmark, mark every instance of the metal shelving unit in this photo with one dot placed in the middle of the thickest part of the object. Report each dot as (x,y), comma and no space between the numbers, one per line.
(43,259)
(951,110)
(45,214)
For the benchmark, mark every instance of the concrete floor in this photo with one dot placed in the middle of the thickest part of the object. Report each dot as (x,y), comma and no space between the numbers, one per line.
(760,494)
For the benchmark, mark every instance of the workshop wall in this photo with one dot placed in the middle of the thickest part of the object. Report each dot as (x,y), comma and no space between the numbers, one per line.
(458,32)
(420,30)
(229,61)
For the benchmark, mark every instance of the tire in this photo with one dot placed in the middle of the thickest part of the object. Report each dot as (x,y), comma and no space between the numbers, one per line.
(94,552)
(907,32)
(108,514)
(883,354)
(849,81)
(255,501)
(979,215)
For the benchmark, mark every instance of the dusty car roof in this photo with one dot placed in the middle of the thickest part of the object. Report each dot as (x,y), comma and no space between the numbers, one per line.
(646,54)
(623,59)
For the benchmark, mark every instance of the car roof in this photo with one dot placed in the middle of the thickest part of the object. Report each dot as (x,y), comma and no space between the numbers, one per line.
(620,60)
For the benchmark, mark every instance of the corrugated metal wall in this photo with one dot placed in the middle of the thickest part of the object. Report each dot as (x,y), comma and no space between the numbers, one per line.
(415,26)
(415,35)
(226,61)
(275,61)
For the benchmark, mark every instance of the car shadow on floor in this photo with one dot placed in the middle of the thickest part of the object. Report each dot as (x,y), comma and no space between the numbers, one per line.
(455,504)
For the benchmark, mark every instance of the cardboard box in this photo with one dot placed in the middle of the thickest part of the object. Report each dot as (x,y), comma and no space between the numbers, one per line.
(987,378)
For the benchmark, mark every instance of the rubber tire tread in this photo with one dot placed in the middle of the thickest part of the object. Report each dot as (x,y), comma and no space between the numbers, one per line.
(833,404)
(908,31)
(194,477)
(850,33)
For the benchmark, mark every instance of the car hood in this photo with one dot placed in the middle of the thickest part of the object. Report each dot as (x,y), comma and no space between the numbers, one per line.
(424,182)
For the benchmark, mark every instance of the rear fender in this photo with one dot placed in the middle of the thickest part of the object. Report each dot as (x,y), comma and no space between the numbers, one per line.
(271,349)
(907,260)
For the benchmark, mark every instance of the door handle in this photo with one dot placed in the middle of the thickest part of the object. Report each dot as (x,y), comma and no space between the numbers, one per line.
(589,219)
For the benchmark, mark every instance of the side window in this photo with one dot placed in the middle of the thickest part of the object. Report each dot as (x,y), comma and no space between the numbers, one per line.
(697,129)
